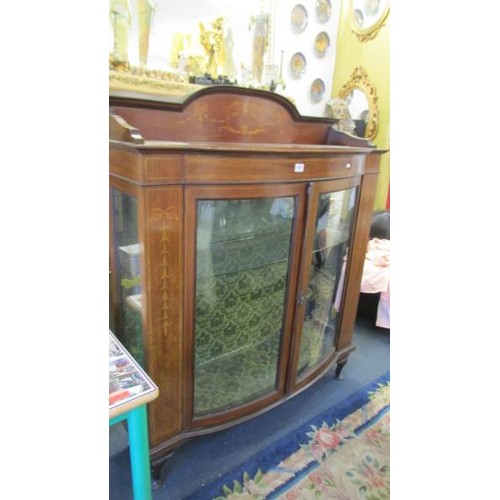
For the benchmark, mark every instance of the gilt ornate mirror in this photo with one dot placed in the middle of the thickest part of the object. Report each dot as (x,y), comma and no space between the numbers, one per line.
(360,97)
(367,17)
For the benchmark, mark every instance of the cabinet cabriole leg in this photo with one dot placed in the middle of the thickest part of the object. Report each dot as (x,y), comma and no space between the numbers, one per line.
(340,366)
(158,477)
(156,480)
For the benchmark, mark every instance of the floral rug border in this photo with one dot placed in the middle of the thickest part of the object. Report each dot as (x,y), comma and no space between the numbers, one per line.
(349,418)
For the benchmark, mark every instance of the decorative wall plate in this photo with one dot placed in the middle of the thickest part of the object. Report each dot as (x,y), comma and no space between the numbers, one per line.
(317,90)
(299,18)
(358,16)
(298,65)
(321,43)
(323,10)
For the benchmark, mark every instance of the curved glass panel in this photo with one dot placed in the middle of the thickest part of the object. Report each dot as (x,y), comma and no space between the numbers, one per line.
(324,291)
(242,260)
(125,226)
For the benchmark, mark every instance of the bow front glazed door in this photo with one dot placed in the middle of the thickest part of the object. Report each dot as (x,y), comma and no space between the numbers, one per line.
(332,209)
(243,245)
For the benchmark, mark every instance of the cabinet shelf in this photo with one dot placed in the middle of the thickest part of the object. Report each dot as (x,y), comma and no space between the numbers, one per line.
(244,270)
(244,253)
(216,386)
(237,309)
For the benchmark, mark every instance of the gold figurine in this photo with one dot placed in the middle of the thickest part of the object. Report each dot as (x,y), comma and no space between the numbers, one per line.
(213,43)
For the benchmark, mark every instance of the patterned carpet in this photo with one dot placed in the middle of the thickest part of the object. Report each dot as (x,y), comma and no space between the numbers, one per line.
(201,468)
(343,454)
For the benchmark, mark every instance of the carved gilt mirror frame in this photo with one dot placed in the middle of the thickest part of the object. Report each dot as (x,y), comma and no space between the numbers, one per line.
(359,82)
(368,17)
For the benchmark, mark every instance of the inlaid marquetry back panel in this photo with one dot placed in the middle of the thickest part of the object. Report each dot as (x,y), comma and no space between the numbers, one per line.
(222,114)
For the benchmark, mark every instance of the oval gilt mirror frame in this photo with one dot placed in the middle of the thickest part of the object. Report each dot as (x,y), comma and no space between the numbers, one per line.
(359,81)
(367,17)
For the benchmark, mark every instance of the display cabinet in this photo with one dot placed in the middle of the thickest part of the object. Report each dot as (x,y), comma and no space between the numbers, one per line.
(238,230)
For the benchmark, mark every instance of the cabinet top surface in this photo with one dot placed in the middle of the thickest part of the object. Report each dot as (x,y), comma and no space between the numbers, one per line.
(164,146)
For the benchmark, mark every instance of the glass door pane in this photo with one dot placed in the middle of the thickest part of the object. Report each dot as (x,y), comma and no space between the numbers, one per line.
(242,262)
(126,241)
(324,291)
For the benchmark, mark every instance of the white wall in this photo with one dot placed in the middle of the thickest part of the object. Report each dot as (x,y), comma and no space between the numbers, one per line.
(289,41)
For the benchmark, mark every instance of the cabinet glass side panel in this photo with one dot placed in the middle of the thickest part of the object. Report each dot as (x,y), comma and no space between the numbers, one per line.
(128,275)
(242,263)
(324,291)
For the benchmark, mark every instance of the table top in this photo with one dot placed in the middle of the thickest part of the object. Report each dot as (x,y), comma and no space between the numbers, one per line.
(129,385)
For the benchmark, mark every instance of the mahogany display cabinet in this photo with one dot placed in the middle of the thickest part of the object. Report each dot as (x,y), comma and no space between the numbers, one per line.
(238,231)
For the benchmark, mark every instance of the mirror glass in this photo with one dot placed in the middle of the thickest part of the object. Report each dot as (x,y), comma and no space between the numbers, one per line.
(359,110)
(194,37)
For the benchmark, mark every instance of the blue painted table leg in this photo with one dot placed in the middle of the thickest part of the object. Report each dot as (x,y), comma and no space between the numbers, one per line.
(139,453)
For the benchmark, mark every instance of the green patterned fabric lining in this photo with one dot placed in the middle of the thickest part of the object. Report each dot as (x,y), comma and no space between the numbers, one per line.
(241,282)
(237,310)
